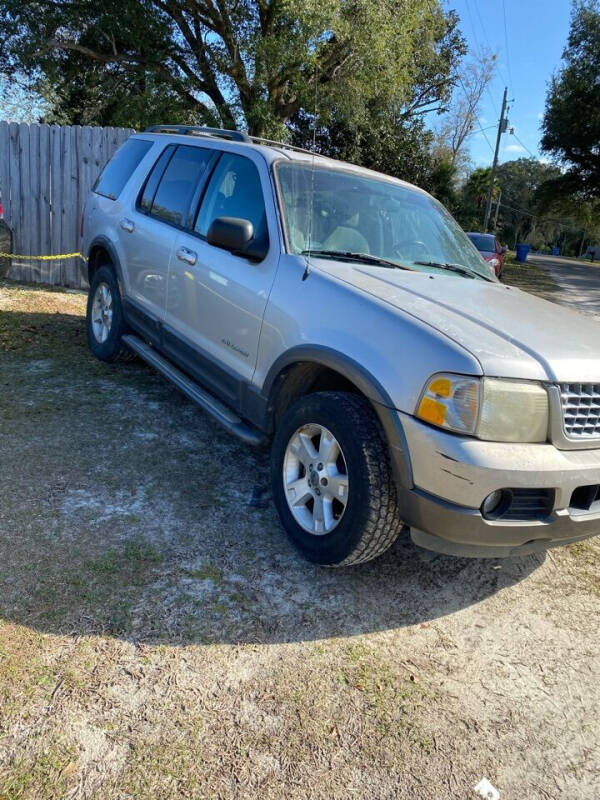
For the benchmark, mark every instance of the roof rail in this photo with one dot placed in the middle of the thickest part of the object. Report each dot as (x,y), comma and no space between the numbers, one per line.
(284,146)
(225,133)
(199,130)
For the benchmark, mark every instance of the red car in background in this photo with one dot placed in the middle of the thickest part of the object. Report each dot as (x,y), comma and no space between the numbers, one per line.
(491,250)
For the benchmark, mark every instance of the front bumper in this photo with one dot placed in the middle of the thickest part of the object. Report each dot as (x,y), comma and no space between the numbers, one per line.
(452,475)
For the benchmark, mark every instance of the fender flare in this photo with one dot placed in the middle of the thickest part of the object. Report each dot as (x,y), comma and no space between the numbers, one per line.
(106,244)
(332,359)
(367,384)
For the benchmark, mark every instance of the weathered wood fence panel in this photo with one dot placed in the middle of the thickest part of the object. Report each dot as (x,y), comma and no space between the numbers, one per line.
(46,172)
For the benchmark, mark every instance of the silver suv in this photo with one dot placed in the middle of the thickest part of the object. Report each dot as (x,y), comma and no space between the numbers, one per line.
(344,317)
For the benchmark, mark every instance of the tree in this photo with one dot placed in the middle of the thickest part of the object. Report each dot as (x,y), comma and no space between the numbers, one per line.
(473,198)
(233,63)
(571,124)
(520,181)
(458,122)
(382,140)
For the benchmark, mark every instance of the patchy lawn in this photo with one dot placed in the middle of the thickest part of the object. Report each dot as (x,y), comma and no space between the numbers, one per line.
(159,638)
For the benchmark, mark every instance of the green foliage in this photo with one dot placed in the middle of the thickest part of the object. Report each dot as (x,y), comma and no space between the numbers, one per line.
(381,140)
(571,125)
(235,63)
(522,215)
(471,208)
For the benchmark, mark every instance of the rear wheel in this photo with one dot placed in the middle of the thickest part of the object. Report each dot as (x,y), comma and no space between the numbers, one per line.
(332,480)
(105,320)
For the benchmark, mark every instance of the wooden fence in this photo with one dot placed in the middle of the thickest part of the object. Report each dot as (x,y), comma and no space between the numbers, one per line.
(46,172)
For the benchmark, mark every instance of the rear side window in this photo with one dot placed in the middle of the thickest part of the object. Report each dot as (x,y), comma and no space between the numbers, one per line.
(179,183)
(121,167)
(156,173)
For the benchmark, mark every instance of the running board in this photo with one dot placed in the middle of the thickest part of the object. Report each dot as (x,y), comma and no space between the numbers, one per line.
(223,415)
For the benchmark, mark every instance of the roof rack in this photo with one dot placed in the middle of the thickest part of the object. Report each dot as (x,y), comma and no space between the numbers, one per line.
(199,130)
(224,133)
(284,146)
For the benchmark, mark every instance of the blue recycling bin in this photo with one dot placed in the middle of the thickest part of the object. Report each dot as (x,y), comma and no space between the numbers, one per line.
(556,251)
(522,251)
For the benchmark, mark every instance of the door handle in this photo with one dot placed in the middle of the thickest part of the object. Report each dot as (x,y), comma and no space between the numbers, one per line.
(183,254)
(127,225)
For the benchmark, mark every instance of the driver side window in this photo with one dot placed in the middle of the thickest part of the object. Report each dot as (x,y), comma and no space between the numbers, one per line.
(234,191)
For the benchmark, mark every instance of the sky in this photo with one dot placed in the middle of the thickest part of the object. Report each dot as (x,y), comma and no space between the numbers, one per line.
(528,47)
(529,50)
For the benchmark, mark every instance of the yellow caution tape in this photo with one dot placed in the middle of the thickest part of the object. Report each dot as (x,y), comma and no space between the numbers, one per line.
(41,258)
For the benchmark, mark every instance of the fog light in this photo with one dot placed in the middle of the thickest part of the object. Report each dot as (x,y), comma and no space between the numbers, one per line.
(492,502)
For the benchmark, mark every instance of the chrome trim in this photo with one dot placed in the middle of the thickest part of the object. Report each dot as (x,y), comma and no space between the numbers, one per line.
(558,435)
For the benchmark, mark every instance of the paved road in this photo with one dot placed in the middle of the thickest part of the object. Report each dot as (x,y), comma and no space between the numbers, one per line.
(579,281)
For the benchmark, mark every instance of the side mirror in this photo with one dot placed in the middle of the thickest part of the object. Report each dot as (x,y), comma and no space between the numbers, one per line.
(503,250)
(236,235)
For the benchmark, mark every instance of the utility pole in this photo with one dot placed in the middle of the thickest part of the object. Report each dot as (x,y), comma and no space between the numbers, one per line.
(502,125)
(497,209)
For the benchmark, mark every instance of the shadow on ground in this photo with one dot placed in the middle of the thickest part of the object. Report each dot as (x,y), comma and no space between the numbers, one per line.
(124,510)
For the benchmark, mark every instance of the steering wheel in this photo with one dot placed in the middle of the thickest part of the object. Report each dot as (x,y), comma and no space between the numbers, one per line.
(407,247)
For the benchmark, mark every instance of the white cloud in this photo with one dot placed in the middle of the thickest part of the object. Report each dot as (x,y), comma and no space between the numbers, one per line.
(540,115)
(514,148)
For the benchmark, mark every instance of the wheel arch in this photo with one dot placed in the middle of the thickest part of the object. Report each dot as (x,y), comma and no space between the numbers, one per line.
(102,249)
(309,368)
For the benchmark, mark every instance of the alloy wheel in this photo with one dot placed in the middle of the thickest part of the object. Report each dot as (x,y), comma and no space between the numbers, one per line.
(315,479)
(102,312)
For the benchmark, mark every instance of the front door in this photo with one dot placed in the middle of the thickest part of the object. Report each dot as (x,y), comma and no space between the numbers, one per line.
(216,300)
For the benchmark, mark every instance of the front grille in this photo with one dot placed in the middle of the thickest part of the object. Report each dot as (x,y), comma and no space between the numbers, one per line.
(581,409)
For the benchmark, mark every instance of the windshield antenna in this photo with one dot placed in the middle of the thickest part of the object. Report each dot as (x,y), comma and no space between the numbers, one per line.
(312,183)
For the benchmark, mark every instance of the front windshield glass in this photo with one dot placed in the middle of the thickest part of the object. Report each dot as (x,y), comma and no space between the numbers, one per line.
(359,214)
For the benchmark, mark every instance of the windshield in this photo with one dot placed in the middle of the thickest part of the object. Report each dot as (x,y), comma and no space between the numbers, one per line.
(344,211)
(483,241)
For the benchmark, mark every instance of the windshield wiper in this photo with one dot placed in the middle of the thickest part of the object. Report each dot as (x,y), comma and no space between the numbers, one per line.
(458,268)
(365,258)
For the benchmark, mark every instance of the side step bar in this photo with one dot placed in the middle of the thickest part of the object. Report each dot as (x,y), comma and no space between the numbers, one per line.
(223,415)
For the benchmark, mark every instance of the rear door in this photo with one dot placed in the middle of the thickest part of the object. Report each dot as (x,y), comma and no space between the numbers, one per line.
(147,246)
(216,300)
(162,209)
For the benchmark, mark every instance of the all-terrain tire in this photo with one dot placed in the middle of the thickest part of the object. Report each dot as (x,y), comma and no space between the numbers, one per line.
(112,348)
(371,520)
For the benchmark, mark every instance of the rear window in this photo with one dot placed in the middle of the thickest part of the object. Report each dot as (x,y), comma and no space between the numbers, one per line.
(483,242)
(121,167)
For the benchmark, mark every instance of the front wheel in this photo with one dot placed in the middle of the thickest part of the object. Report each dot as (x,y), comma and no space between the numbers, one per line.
(332,480)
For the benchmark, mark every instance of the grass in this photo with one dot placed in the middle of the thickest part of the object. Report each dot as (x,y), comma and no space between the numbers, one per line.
(586,559)
(529,277)
(160,639)
(123,564)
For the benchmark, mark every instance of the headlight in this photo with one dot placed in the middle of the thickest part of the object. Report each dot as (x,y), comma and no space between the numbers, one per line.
(493,262)
(491,408)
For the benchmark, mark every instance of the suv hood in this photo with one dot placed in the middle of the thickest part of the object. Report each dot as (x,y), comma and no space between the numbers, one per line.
(511,333)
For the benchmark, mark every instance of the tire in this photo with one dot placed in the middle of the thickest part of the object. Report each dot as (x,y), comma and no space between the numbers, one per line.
(369,522)
(105,320)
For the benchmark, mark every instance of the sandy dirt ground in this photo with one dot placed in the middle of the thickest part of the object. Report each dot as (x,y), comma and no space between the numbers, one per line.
(159,637)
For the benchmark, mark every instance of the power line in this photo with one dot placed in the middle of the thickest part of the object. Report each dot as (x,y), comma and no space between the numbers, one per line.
(522,144)
(478,44)
(541,217)
(512,88)
(481,128)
